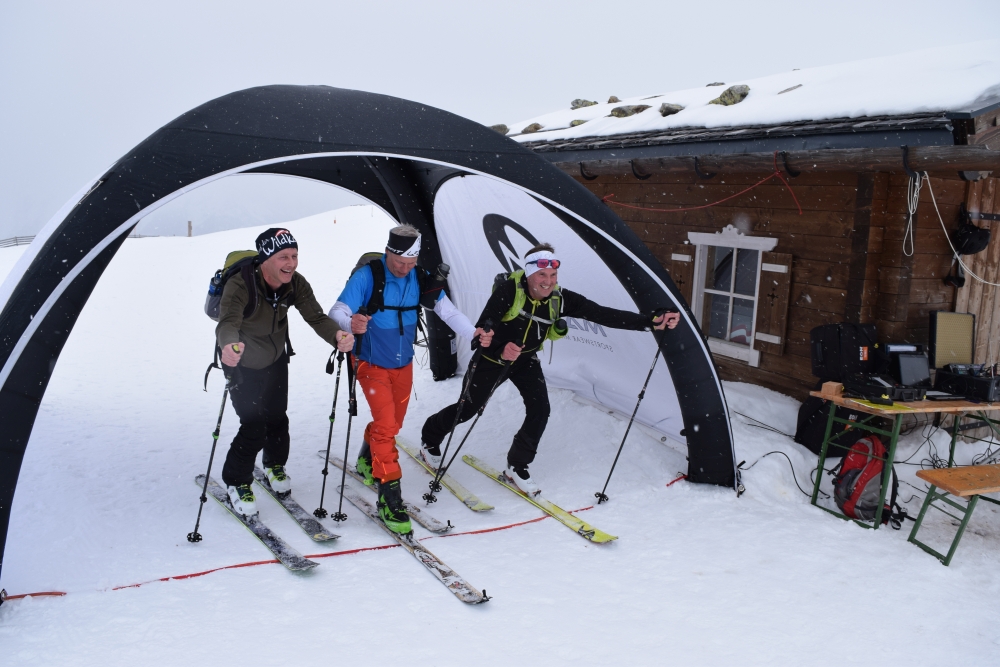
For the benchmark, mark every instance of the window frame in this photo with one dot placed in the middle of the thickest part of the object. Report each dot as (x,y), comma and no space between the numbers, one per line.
(729,237)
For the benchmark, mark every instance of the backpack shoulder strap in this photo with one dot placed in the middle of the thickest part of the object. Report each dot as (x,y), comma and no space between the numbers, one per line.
(249,275)
(377,300)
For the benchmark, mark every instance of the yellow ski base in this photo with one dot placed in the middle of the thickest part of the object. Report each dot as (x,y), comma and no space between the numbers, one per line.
(582,528)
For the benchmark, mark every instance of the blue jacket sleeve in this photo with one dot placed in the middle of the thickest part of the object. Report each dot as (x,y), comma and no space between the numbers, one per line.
(358,290)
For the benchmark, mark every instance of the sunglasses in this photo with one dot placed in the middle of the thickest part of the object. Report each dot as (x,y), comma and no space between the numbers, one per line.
(546,263)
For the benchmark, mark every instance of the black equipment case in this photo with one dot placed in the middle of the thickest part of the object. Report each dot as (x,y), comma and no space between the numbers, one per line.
(842,350)
(881,388)
(970,386)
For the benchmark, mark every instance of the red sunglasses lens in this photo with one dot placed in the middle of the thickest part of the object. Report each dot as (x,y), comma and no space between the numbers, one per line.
(547,263)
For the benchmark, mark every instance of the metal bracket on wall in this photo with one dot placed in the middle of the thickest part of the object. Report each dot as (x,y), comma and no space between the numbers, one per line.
(637,174)
(906,163)
(788,170)
(701,174)
(586,176)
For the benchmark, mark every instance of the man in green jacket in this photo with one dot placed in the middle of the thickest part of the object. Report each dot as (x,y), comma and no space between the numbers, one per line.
(257,342)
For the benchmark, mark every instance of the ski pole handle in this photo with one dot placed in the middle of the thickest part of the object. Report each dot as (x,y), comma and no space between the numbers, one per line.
(487,327)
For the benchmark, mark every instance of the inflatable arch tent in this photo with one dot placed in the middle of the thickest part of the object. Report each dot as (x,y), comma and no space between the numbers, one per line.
(479,198)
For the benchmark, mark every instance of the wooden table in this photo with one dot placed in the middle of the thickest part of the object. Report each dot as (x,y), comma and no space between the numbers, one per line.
(896,411)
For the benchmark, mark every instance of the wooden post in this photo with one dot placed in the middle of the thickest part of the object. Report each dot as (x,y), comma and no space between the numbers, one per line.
(189,229)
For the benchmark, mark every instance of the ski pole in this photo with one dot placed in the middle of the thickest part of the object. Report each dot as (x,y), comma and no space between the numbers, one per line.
(321,513)
(601,497)
(233,378)
(435,484)
(479,413)
(352,411)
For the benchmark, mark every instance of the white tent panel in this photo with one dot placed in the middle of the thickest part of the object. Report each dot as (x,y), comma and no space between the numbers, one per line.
(598,363)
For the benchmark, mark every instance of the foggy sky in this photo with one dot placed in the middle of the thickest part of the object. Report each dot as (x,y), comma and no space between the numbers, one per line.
(84,82)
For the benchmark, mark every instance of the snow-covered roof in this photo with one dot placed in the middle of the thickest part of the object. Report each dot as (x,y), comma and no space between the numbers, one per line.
(955,79)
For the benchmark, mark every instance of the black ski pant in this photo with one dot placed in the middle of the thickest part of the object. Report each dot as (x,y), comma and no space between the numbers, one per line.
(526,375)
(261,401)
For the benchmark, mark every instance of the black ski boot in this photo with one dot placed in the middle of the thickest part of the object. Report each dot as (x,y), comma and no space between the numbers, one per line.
(390,507)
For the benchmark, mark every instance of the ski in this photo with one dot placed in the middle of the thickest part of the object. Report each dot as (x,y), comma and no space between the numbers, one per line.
(313,528)
(456,584)
(418,515)
(582,528)
(285,554)
(467,497)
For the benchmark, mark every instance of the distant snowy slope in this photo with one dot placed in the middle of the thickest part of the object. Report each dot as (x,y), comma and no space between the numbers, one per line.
(952,78)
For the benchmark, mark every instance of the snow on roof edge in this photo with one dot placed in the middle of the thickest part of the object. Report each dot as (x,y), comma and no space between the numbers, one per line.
(957,81)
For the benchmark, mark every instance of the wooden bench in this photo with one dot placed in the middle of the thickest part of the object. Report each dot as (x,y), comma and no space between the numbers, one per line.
(969,482)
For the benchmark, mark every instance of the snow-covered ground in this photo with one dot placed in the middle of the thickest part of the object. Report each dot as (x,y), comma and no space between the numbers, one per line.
(698,576)
(952,78)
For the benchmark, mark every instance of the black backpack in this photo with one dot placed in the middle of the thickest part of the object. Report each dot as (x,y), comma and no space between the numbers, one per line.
(431,285)
(441,344)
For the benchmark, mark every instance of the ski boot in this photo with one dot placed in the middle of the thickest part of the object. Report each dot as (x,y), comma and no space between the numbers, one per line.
(364,464)
(521,478)
(390,507)
(279,480)
(243,500)
(431,456)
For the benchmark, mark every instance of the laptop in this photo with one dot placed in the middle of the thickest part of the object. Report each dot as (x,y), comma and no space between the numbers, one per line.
(914,371)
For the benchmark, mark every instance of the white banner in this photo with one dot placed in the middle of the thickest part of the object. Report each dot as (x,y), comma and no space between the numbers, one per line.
(484,227)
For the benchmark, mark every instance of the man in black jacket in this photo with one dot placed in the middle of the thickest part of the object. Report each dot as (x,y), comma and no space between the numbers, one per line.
(527,308)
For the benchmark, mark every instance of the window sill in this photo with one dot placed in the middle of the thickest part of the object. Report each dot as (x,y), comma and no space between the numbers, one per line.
(733,351)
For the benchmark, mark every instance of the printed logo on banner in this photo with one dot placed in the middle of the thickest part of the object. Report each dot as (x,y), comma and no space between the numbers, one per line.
(495,228)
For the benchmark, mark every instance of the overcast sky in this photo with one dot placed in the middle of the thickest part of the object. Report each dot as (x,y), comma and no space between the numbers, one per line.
(83,82)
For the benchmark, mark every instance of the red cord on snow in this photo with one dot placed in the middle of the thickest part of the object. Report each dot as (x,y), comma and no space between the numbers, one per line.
(607,199)
(330,554)
(677,480)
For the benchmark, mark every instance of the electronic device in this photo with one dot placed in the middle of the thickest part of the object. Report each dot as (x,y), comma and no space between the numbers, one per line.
(952,338)
(881,389)
(911,369)
(968,385)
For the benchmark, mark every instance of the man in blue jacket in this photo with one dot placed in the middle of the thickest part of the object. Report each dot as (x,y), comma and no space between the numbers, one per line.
(391,289)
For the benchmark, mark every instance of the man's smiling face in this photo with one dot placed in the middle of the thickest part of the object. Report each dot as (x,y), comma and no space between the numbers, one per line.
(279,268)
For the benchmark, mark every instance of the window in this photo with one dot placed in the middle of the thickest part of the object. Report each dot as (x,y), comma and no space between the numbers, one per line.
(727,278)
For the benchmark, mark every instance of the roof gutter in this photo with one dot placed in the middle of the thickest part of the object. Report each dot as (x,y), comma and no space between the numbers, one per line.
(895,158)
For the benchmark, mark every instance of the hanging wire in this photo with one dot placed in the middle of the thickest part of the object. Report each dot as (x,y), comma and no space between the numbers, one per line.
(912,200)
(958,257)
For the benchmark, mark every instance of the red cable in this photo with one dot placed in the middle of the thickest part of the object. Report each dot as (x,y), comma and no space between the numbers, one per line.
(323,555)
(607,198)
(677,480)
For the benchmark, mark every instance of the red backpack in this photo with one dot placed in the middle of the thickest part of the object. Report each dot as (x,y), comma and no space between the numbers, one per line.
(859,480)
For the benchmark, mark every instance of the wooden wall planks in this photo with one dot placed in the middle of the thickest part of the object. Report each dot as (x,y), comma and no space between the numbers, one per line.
(846,248)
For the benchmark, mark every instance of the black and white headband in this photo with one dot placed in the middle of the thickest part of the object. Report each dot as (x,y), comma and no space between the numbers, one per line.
(404,246)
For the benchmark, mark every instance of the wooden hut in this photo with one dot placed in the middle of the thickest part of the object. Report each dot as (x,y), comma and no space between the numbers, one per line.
(772,228)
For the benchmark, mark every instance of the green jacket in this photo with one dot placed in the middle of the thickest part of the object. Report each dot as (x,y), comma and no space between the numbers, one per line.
(265,331)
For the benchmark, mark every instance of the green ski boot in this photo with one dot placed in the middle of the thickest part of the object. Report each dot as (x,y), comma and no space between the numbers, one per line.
(390,507)
(364,464)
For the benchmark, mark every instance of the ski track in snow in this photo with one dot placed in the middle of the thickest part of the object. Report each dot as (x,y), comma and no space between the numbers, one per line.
(697,577)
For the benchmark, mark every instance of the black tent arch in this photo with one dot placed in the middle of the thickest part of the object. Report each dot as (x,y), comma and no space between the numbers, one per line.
(395,153)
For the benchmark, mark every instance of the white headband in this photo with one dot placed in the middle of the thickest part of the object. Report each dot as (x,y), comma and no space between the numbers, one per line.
(530,268)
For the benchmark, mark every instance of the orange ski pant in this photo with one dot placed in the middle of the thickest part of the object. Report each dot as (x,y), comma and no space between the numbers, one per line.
(388,394)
